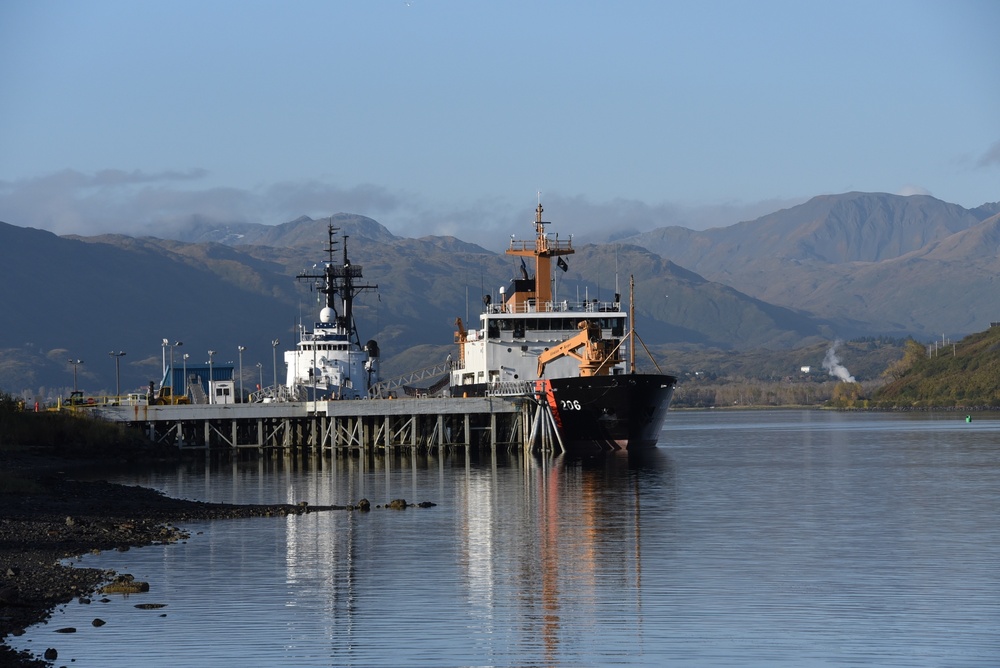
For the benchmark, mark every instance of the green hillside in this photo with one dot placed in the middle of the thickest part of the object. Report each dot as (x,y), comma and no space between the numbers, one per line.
(966,374)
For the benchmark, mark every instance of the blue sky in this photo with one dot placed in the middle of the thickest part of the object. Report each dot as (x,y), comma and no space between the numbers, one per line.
(446,117)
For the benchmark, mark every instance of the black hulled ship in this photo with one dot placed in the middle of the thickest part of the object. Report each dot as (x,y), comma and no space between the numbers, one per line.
(567,354)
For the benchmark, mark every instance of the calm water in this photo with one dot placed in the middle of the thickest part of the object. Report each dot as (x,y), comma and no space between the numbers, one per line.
(800,538)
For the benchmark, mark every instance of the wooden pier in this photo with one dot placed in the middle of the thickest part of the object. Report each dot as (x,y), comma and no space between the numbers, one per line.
(344,426)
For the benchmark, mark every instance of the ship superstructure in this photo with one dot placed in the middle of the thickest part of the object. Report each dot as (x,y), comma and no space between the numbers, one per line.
(329,361)
(525,335)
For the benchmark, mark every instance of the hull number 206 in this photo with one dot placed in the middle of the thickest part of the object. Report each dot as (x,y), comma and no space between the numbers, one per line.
(569,405)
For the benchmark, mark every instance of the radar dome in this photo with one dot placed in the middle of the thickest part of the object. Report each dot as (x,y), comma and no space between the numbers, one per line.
(326,315)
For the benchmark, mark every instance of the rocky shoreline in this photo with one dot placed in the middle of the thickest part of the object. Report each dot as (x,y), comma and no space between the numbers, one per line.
(49,516)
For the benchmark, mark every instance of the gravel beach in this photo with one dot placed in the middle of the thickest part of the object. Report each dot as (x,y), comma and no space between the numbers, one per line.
(50,516)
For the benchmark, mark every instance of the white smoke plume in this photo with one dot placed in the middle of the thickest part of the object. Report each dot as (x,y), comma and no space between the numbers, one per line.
(833,366)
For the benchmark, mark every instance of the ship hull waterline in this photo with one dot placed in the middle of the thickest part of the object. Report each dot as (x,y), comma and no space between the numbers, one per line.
(603,413)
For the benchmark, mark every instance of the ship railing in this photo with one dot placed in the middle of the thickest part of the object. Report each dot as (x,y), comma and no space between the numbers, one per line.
(510,388)
(351,270)
(328,333)
(551,243)
(560,306)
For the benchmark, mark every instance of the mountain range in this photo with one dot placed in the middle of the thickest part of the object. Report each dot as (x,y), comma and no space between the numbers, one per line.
(885,263)
(837,266)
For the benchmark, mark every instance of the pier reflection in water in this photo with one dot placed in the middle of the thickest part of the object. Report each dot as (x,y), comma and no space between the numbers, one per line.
(782,538)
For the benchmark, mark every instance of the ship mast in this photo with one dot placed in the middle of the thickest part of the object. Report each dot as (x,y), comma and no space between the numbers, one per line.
(542,250)
(339,281)
(631,324)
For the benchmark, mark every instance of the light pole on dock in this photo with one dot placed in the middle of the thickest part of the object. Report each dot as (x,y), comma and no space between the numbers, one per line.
(175,344)
(75,364)
(260,372)
(241,349)
(211,399)
(118,384)
(274,359)
(185,358)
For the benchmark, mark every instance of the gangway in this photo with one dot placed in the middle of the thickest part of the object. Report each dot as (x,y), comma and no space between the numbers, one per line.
(196,391)
(384,388)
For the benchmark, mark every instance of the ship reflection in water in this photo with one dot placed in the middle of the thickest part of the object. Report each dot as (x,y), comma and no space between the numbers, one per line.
(539,555)
(573,569)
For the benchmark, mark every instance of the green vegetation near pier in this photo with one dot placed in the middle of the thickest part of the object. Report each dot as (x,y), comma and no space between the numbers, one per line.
(963,375)
(68,433)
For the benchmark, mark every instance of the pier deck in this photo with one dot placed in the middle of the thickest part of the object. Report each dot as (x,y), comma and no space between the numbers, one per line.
(335,425)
